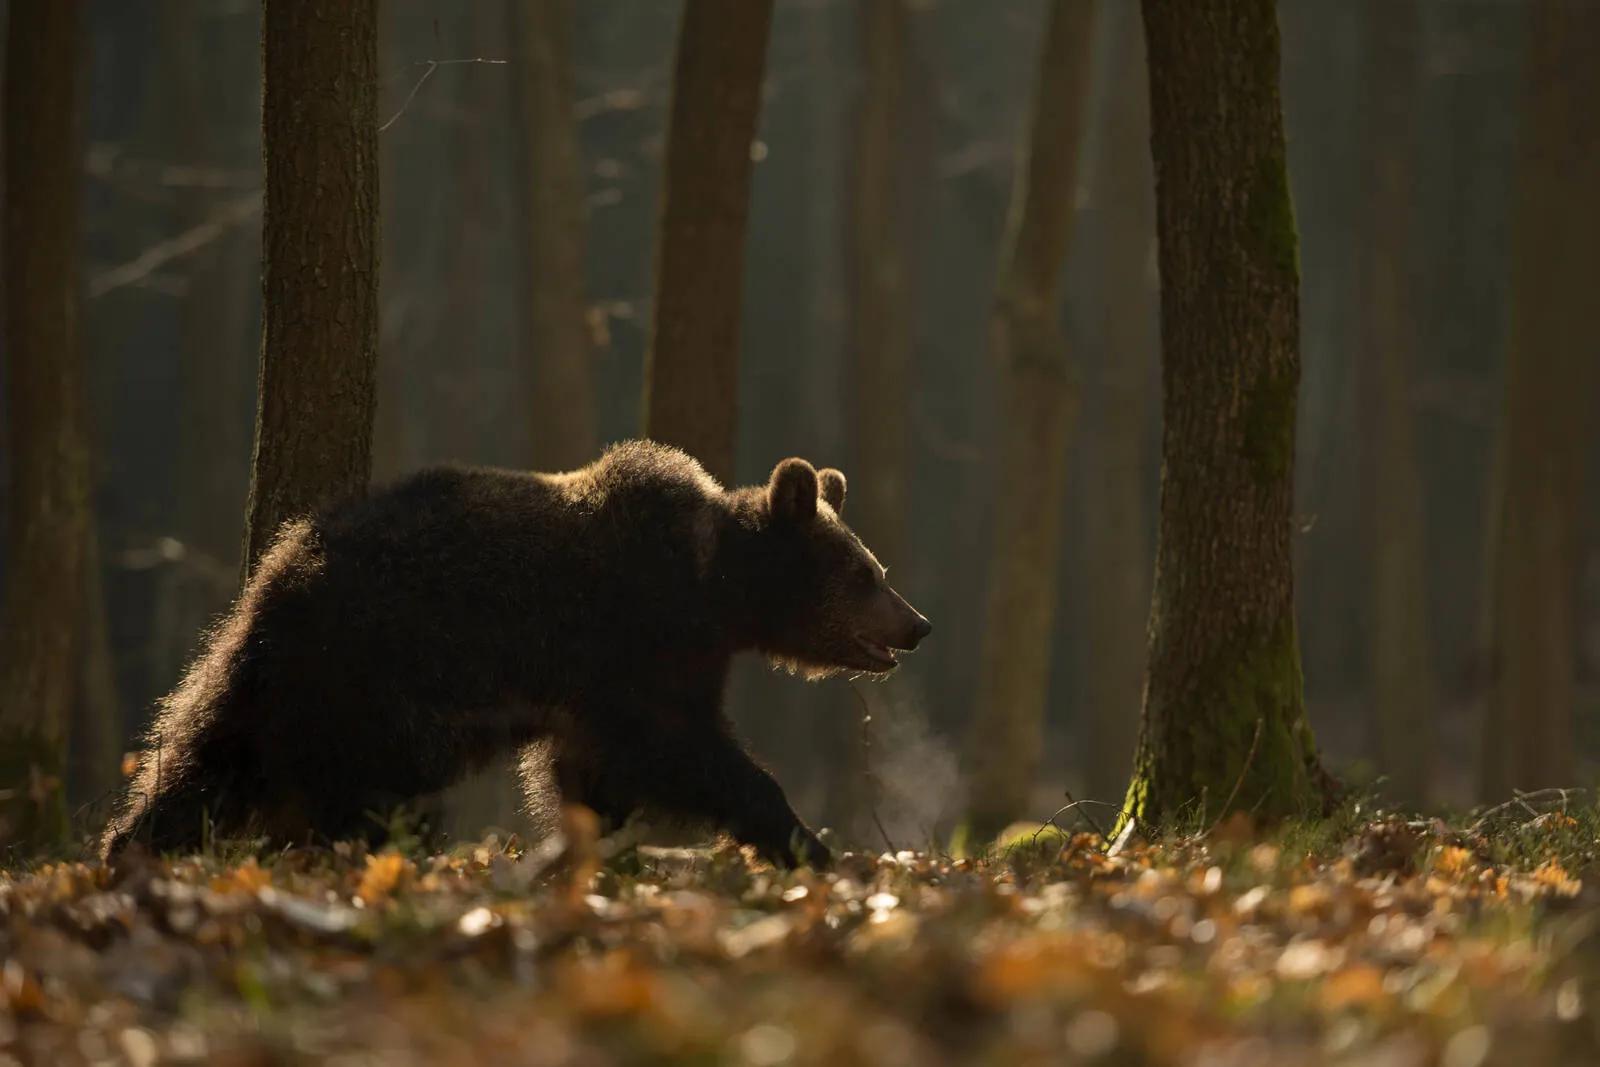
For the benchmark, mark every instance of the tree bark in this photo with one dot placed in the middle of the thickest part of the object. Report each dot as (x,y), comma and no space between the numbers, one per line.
(560,349)
(49,511)
(1549,399)
(1224,725)
(1117,558)
(1038,396)
(1398,640)
(316,392)
(692,365)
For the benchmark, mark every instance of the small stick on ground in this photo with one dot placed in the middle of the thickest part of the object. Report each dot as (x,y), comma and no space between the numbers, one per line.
(1086,816)
(1525,800)
(1073,805)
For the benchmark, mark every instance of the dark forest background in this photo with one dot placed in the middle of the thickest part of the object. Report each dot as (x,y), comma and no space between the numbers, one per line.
(1406,128)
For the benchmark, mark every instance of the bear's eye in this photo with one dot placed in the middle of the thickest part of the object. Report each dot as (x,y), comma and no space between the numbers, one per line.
(866,576)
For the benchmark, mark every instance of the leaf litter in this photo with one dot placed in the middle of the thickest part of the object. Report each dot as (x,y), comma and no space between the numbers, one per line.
(1382,941)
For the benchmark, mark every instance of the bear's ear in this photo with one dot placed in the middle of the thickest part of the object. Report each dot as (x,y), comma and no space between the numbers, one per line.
(792,492)
(833,486)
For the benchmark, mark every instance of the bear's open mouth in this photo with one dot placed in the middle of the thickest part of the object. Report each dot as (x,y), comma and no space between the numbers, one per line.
(878,656)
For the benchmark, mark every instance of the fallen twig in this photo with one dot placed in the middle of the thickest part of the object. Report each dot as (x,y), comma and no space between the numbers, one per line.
(1525,800)
(1074,805)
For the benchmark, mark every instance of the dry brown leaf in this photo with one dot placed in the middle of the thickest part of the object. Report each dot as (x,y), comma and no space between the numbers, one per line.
(382,876)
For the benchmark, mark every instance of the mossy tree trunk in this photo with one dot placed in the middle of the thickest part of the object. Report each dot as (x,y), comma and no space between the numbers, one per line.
(692,365)
(559,346)
(1117,556)
(1550,383)
(1038,397)
(48,529)
(319,346)
(1398,641)
(1224,724)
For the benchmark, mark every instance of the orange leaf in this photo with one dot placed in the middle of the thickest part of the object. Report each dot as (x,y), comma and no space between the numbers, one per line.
(1358,985)
(248,877)
(382,875)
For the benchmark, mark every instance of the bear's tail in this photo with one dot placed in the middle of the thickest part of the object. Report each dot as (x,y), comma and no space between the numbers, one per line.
(196,773)
(171,820)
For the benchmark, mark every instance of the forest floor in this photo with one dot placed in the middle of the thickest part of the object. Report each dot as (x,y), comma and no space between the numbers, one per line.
(1370,939)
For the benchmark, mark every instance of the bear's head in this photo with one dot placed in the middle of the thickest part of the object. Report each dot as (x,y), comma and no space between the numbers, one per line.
(822,602)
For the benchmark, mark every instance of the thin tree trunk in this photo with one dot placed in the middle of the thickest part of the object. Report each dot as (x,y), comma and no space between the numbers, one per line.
(1039,395)
(826,298)
(880,351)
(1117,558)
(394,433)
(1402,677)
(1549,400)
(49,512)
(488,797)
(97,728)
(880,322)
(560,350)
(202,124)
(1224,725)
(456,428)
(316,390)
(692,366)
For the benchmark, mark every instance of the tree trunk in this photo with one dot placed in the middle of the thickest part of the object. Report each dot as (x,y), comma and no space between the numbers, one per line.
(202,125)
(559,347)
(692,366)
(1549,399)
(880,322)
(316,390)
(49,514)
(1116,551)
(1398,641)
(1224,725)
(97,728)
(1038,394)
(880,353)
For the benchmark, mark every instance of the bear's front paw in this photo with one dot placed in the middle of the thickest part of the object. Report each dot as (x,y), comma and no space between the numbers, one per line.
(812,852)
(799,848)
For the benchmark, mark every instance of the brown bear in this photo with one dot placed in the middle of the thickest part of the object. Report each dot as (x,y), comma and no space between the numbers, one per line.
(387,646)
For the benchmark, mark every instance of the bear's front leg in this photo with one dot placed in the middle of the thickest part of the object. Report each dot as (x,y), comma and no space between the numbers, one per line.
(697,769)
(769,824)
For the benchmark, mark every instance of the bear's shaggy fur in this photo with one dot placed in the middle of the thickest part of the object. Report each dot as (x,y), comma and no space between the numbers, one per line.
(390,645)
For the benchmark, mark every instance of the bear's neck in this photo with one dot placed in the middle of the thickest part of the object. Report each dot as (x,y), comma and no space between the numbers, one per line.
(735,585)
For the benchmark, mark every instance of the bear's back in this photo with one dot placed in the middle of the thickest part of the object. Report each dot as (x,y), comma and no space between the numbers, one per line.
(461,560)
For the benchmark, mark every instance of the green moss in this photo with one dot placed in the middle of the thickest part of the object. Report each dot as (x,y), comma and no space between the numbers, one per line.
(1259,681)
(1274,242)
(1268,430)
(1243,743)
(1137,802)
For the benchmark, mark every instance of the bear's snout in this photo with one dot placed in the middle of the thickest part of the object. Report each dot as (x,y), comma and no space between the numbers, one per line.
(886,625)
(906,625)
